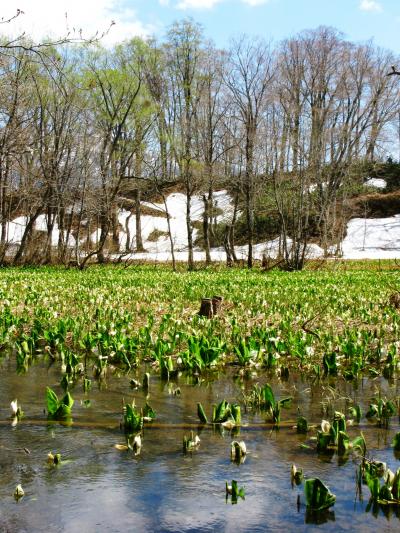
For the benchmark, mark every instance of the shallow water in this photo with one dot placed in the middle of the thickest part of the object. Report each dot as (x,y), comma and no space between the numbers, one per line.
(98,488)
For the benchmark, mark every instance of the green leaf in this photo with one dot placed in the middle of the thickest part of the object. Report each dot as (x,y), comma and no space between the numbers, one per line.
(148,411)
(133,421)
(285,402)
(201,414)
(372,411)
(302,425)
(373,485)
(323,441)
(329,363)
(356,413)
(396,442)
(68,401)
(87,384)
(318,496)
(359,443)
(222,412)
(269,397)
(385,493)
(343,442)
(52,401)
(235,409)
(396,485)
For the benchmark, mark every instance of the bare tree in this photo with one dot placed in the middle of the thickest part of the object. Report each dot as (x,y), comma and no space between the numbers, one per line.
(250,73)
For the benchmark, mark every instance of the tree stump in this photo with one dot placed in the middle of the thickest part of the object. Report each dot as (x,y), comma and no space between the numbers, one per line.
(210,306)
(395,300)
(206,308)
(265,261)
(216,304)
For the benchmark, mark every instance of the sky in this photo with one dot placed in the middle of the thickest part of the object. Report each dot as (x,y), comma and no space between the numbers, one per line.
(359,20)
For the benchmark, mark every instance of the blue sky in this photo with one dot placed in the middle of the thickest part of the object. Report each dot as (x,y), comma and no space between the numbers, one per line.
(359,20)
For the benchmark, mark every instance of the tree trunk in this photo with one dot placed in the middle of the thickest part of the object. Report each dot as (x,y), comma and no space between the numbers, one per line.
(206,229)
(128,233)
(189,229)
(249,186)
(26,237)
(138,220)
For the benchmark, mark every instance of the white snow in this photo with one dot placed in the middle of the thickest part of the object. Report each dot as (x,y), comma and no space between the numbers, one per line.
(16,228)
(176,205)
(377,183)
(373,238)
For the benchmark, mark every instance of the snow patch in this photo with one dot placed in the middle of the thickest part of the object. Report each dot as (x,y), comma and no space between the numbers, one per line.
(372,238)
(377,183)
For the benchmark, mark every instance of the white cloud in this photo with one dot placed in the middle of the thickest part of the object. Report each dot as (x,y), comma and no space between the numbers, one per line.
(197,4)
(208,4)
(163,2)
(254,3)
(47,17)
(370,5)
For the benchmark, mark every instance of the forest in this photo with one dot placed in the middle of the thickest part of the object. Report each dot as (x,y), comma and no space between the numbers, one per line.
(290,130)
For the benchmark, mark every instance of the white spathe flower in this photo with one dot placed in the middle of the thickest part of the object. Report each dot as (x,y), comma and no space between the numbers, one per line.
(19,491)
(14,407)
(238,450)
(137,444)
(325,426)
(229,424)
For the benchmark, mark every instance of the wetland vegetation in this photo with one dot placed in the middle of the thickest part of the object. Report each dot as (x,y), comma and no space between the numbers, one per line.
(286,401)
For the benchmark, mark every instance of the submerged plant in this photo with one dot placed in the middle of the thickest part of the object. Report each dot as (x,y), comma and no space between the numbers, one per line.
(238,451)
(18,492)
(356,413)
(224,413)
(330,364)
(135,444)
(53,459)
(191,443)
(16,412)
(382,410)
(58,409)
(201,414)
(234,491)
(334,436)
(263,398)
(148,413)
(384,485)
(132,418)
(302,425)
(396,442)
(318,496)
(296,475)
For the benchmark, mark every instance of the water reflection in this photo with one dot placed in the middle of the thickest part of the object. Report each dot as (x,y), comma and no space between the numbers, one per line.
(101,488)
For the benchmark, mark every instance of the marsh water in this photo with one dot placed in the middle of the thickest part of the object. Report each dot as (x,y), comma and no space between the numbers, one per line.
(100,488)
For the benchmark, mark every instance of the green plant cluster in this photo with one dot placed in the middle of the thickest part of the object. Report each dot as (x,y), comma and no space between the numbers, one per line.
(336,322)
